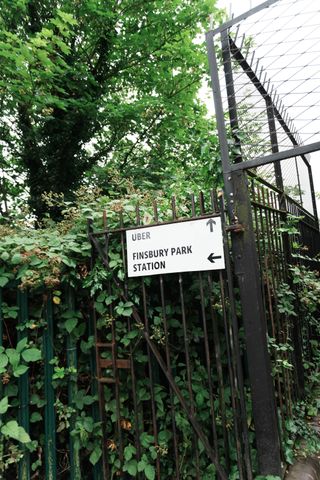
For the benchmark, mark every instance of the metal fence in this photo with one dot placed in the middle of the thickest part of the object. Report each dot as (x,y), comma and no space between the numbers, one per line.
(187,395)
(186,375)
(263,72)
(164,360)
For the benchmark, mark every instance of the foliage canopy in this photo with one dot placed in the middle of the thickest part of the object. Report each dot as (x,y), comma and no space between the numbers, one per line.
(92,87)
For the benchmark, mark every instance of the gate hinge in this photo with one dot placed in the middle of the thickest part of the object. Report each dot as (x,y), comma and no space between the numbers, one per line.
(235,228)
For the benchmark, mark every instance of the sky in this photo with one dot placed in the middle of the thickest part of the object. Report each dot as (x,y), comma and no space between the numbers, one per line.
(237,7)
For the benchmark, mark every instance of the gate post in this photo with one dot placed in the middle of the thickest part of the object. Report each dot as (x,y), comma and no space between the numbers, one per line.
(246,268)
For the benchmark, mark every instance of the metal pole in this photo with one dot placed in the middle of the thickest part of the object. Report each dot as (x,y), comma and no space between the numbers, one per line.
(313,196)
(72,362)
(247,271)
(297,354)
(274,144)
(23,385)
(49,411)
(97,469)
(299,183)
(1,384)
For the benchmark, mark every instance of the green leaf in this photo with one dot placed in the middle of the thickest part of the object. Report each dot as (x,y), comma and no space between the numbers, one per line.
(146,439)
(70,324)
(150,472)
(22,344)
(35,417)
(3,360)
(4,256)
(69,262)
(129,451)
(3,281)
(14,356)
(88,424)
(16,259)
(20,370)
(95,455)
(31,355)
(13,430)
(141,465)
(23,436)
(4,405)
(131,467)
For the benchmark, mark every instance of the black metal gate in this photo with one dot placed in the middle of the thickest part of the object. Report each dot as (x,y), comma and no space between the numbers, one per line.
(263,80)
(169,352)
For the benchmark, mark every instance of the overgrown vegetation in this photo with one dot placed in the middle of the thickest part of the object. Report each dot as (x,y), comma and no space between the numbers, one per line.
(89,87)
(56,258)
(52,260)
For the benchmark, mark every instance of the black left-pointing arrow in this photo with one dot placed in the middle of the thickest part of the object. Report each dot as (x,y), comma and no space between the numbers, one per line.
(212,257)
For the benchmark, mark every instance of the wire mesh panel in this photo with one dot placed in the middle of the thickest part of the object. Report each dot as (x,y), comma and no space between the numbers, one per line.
(270,90)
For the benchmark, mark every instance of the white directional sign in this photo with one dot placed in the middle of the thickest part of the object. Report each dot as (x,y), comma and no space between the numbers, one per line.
(194,245)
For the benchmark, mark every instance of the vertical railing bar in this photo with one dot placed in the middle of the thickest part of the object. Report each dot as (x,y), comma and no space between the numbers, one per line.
(72,362)
(217,351)
(214,202)
(236,345)
(274,334)
(281,321)
(208,364)
(201,203)
(274,279)
(132,371)
(264,271)
(1,336)
(281,269)
(233,378)
(171,394)
(247,270)
(23,385)
(187,357)
(206,342)
(284,256)
(257,229)
(186,346)
(115,370)
(102,412)
(168,360)
(49,409)
(269,261)
(97,468)
(153,407)
(115,373)
(149,354)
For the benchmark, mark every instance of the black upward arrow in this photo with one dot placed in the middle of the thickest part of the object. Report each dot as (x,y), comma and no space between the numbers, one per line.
(211,222)
(212,258)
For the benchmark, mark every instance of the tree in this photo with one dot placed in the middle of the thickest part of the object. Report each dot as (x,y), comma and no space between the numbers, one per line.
(91,86)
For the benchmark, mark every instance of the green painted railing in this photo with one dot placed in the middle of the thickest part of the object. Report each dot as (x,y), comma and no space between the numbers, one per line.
(23,385)
(33,395)
(50,420)
(72,363)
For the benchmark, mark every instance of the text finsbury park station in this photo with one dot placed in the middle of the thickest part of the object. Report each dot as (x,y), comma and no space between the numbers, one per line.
(195,245)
